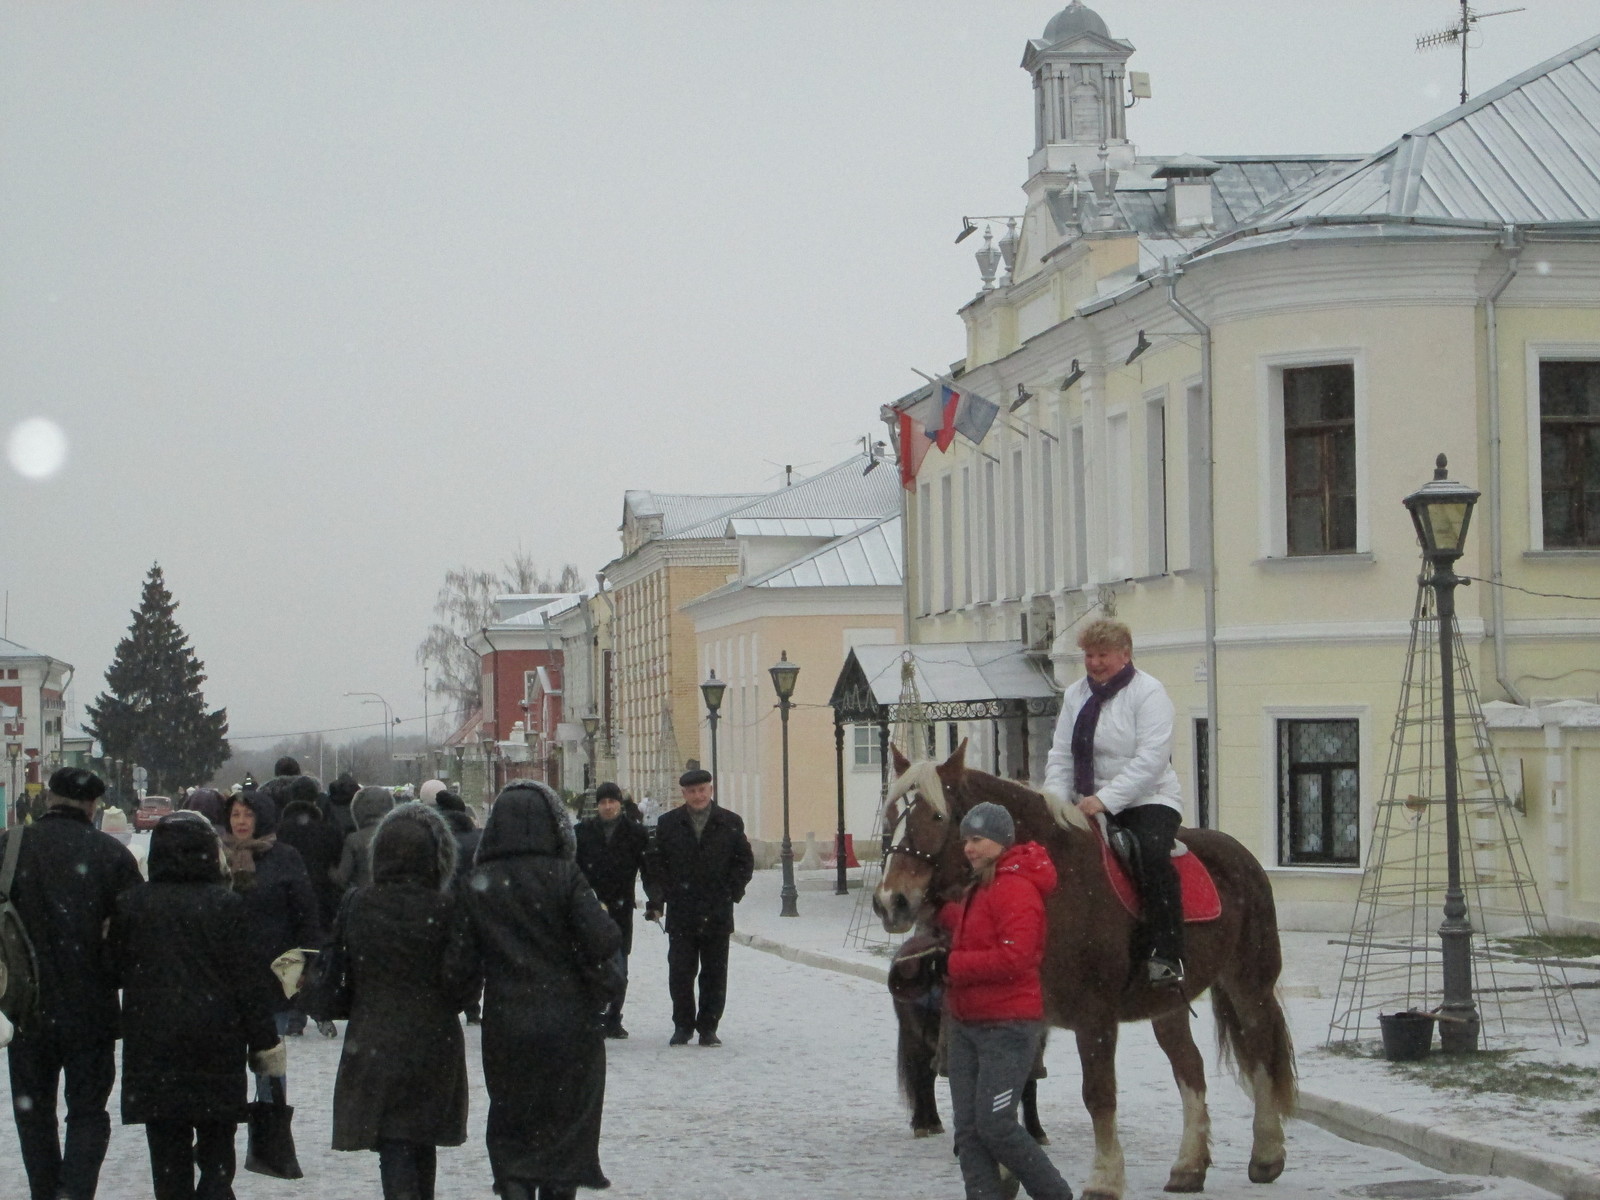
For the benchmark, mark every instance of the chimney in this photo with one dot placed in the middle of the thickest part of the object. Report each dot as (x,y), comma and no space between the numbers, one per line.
(1188,192)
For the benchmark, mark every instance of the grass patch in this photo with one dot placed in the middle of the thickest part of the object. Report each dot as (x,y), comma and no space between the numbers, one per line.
(1355,1049)
(1493,1071)
(1563,945)
(1590,1118)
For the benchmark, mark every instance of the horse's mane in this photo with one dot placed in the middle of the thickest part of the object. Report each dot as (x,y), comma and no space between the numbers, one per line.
(922,776)
(1020,800)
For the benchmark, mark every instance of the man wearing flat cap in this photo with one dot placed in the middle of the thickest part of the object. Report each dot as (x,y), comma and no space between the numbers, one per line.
(698,868)
(68,877)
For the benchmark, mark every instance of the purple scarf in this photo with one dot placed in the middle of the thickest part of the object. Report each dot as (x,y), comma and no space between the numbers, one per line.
(1083,728)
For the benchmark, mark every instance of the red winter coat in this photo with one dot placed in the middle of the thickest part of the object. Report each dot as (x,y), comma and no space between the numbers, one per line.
(997,940)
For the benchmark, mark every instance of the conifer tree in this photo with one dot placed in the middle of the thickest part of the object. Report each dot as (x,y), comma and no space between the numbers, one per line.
(153,713)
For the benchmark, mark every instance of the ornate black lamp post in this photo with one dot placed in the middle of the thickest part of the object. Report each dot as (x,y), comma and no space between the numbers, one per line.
(1441,511)
(712,690)
(14,813)
(591,730)
(783,674)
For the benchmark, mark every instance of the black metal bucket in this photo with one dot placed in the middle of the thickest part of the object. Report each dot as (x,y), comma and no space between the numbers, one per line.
(1407,1036)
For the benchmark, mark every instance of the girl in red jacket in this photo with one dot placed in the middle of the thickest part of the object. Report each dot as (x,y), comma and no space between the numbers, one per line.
(995,1006)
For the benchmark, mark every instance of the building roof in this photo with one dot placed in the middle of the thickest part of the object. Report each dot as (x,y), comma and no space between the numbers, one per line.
(972,679)
(840,491)
(1525,152)
(10,649)
(681,513)
(806,527)
(868,557)
(1073,20)
(534,618)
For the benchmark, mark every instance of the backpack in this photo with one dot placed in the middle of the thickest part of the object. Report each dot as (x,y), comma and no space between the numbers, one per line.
(19,966)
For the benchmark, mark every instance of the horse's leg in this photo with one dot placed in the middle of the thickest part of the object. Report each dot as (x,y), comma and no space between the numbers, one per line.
(1188,1068)
(1251,1027)
(1030,1113)
(919,1033)
(1097,1053)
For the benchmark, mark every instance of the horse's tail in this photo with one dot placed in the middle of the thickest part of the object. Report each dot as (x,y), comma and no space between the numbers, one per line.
(1252,1033)
(1261,1044)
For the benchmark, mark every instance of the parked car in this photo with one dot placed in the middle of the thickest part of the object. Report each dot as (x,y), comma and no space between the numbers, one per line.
(151,809)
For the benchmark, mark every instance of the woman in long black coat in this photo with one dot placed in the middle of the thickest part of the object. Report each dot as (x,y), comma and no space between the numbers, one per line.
(542,937)
(195,1003)
(402,1085)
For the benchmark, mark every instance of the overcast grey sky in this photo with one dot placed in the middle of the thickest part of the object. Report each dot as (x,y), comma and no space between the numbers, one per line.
(330,297)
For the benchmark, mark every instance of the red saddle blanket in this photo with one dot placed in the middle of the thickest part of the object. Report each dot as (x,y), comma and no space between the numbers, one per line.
(1200,899)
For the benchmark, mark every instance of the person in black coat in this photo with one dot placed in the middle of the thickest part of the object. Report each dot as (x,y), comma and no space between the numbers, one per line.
(68,878)
(270,876)
(340,793)
(611,851)
(303,825)
(402,1084)
(698,868)
(196,1006)
(543,940)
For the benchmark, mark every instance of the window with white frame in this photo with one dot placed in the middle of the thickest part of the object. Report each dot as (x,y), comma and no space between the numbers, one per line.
(1199,452)
(1119,499)
(1080,516)
(1155,479)
(991,529)
(1319,792)
(1019,524)
(1569,452)
(947,557)
(1319,458)
(925,548)
(967,549)
(1047,516)
(867,750)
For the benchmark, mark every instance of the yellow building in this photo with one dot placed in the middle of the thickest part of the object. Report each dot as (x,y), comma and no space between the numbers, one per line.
(1227,373)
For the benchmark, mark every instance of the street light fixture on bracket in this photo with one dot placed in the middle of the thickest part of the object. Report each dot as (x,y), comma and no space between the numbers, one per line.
(712,690)
(591,729)
(784,673)
(1441,512)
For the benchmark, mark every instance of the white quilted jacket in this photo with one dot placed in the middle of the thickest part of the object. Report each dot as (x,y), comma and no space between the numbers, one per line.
(1132,747)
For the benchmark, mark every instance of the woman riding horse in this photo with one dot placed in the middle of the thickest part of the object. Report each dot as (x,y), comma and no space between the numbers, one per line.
(1112,754)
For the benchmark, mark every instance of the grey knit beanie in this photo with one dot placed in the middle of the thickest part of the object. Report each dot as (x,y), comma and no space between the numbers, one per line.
(991,821)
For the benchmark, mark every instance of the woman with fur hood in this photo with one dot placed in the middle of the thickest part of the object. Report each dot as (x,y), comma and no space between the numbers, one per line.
(402,1083)
(196,1003)
(543,939)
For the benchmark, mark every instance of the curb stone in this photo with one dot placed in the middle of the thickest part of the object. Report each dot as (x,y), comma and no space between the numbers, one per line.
(1436,1146)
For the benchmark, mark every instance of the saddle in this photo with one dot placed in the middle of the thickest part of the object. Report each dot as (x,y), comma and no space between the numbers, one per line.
(1119,853)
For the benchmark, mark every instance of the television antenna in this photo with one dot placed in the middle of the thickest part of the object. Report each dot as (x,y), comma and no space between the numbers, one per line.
(1457,35)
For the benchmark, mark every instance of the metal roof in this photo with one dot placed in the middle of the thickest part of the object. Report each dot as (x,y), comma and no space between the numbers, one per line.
(956,672)
(868,557)
(10,649)
(807,527)
(840,491)
(1525,152)
(680,513)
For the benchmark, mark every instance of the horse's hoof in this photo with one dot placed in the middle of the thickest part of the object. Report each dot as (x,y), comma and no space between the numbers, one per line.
(1043,1139)
(1100,1194)
(1186,1181)
(1266,1172)
(929,1131)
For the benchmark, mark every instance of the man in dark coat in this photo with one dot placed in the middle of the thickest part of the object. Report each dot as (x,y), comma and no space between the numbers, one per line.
(301,824)
(340,793)
(197,1005)
(611,851)
(68,878)
(543,939)
(698,868)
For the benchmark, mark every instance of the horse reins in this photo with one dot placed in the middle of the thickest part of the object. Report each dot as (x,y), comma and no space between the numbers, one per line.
(921,856)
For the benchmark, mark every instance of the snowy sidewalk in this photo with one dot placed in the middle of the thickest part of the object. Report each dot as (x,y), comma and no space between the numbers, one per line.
(1553,1143)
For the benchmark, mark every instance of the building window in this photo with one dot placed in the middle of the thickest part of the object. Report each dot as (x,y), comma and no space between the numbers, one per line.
(1199,500)
(1047,518)
(1080,510)
(967,549)
(991,534)
(925,547)
(1319,454)
(868,753)
(1155,476)
(947,529)
(1202,773)
(1119,498)
(1319,793)
(1019,529)
(1569,452)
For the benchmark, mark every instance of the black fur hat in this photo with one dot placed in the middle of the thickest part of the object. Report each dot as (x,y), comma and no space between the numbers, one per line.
(74,783)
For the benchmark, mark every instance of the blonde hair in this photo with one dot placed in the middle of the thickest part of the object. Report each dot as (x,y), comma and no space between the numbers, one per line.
(1106,634)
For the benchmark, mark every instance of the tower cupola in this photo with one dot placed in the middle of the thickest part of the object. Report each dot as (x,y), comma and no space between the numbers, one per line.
(1079,85)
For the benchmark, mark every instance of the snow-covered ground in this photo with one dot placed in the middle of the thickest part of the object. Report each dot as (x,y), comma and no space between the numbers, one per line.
(801,1103)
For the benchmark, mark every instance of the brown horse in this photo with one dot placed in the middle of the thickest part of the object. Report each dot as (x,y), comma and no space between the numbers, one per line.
(1089,981)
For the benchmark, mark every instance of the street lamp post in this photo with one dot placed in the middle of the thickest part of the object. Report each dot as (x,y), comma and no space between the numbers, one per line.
(1441,511)
(591,730)
(712,689)
(13,753)
(486,741)
(388,730)
(783,675)
(841,885)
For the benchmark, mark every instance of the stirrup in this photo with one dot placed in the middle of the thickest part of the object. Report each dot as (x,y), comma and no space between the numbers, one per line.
(1164,973)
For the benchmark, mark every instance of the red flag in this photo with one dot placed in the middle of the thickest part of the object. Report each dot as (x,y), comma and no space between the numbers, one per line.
(914,445)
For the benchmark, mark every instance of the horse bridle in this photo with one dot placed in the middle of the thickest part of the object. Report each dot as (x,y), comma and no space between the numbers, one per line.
(922,856)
